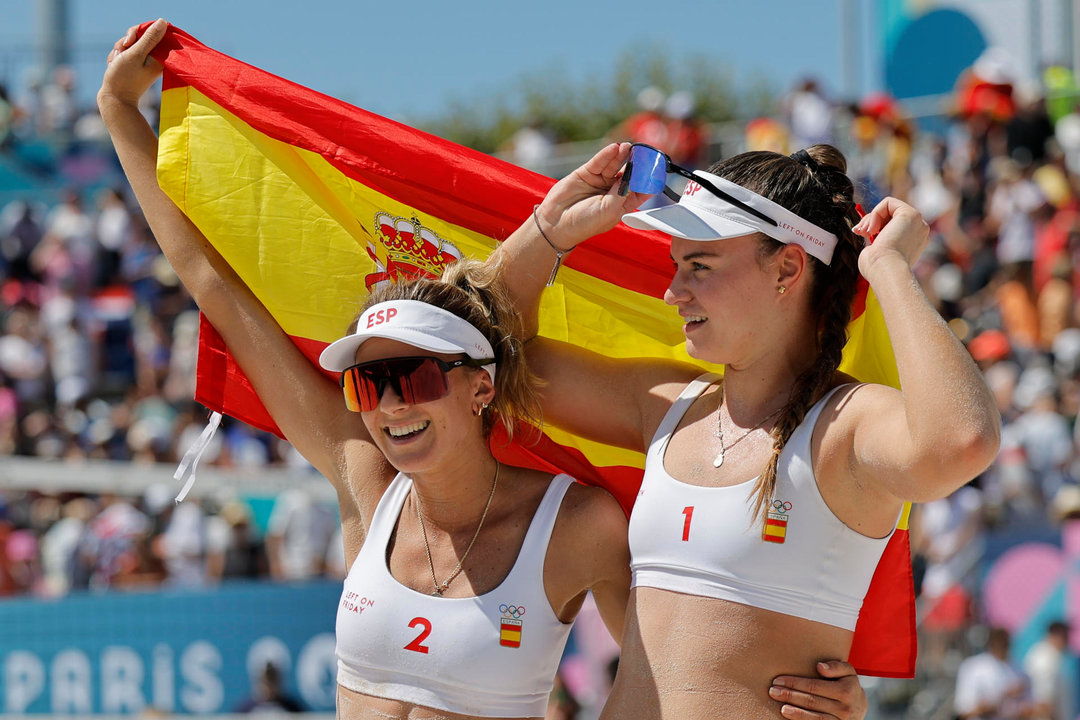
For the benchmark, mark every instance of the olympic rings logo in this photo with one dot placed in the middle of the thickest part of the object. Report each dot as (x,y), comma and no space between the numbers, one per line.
(781,506)
(512,611)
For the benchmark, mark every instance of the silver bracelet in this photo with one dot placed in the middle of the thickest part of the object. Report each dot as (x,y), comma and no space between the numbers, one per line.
(558,253)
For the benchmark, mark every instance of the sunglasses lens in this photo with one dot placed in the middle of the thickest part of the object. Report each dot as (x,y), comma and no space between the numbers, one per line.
(648,170)
(416,380)
(361,390)
(424,383)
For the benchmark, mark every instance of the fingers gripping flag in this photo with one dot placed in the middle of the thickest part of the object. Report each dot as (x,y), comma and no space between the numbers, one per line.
(313,202)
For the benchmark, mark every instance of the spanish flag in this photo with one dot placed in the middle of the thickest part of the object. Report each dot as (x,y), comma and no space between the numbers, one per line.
(313,201)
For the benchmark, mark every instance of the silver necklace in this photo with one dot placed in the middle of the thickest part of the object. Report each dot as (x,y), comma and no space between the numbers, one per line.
(720,430)
(441,587)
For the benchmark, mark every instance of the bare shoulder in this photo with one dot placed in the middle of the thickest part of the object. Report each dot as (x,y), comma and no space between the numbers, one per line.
(666,380)
(854,400)
(845,411)
(589,550)
(591,524)
(361,477)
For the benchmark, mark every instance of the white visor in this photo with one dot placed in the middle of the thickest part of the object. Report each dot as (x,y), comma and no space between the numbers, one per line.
(415,323)
(701,215)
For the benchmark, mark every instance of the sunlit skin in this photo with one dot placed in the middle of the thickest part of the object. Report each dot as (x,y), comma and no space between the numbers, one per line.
(872,448)
(587,549)
(446,447)
(719,292)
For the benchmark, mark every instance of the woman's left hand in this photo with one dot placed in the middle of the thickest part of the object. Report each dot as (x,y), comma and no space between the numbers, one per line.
(895,229)
(836,695)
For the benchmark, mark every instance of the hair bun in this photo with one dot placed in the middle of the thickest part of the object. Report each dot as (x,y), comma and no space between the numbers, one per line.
(804,158)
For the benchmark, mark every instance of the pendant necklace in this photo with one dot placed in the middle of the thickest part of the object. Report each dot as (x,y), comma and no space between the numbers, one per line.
(720,430)
(440,587)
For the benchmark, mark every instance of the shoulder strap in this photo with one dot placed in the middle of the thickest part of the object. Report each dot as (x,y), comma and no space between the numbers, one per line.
(682,403)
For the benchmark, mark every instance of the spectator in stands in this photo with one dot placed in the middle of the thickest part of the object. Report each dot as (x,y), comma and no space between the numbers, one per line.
(113,229)
(23,358)
(950,536)
(234,549)
(1029,129)
(111,543)
(298,536)
(809,114)
(71,226)
(648,125)
(23,563)
(988,685)
(20,234)
(269,696)
(182,543)
(531,146)
(63,566)
(58,105)
(1012,203)
(1051,666)
(1043,433)
(686,135)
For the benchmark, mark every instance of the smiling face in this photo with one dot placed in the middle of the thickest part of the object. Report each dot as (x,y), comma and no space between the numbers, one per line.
(426,436)
(725,294)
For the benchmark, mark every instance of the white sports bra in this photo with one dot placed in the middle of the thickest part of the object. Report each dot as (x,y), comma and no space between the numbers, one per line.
(493,655)
(703,540)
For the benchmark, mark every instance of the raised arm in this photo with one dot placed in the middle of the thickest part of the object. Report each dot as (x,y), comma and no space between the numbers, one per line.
(305,404)
(597,397)
(942,428)
(582,204)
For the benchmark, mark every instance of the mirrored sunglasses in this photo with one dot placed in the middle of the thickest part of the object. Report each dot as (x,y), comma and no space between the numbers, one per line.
(414,379)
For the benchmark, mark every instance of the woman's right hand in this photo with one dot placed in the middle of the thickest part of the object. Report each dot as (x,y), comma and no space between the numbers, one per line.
(130,70)
(587,202)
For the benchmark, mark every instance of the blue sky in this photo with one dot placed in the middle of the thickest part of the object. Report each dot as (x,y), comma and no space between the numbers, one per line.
(409,59)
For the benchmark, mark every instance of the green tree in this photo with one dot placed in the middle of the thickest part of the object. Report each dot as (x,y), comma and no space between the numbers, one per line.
(588,109)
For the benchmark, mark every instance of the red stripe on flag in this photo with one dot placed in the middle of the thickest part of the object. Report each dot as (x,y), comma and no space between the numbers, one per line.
(885,642)
(858,303)
(491,197)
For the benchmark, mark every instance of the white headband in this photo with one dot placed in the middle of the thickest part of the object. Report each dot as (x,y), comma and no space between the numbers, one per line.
(414,323)
(701,215)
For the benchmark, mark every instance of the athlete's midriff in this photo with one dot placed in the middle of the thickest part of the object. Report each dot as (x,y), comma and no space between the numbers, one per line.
(358,706)
(691,657)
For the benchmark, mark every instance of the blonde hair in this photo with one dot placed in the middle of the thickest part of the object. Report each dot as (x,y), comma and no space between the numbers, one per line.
(474,292)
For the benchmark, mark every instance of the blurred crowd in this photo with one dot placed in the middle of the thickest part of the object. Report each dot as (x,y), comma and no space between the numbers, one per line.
(98,342)
(98,347)
(56,543)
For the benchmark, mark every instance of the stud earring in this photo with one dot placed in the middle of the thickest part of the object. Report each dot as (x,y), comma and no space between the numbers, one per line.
(782,289)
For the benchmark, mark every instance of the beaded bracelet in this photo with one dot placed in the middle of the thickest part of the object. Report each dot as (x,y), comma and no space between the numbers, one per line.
(558,253)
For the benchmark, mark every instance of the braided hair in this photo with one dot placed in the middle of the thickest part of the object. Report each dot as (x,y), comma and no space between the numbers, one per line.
(812,184)
(473,291)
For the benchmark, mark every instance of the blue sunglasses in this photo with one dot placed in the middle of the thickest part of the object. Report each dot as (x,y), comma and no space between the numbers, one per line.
(647,172)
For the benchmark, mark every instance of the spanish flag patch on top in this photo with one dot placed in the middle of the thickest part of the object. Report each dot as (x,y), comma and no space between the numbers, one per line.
(775,529)
(510,625)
